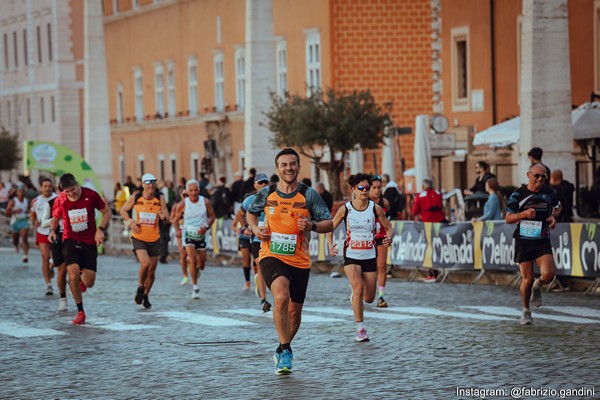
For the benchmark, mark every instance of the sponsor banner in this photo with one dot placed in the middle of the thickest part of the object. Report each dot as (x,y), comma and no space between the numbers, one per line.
(485,245)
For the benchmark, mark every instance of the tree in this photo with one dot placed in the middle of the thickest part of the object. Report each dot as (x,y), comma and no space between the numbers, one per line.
(326,126)
(9,150)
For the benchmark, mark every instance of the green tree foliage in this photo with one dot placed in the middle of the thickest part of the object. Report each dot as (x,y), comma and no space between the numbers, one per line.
(9,150)
(326,126)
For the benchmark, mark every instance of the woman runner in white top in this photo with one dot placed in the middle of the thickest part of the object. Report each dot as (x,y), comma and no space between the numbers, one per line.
(360,255)
(18,211)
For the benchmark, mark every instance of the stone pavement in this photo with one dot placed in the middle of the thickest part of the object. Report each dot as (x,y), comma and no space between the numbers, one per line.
(433,339)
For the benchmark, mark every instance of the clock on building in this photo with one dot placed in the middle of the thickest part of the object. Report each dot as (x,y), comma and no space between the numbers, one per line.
(439,123)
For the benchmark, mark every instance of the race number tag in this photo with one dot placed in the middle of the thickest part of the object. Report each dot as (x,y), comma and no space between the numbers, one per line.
(147,218)
(531,229)
(282,244)
(78,219)
(361,241)
(194,235)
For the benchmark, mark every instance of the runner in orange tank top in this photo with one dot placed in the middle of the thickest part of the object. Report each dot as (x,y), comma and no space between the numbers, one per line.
(292,210)
(149,206)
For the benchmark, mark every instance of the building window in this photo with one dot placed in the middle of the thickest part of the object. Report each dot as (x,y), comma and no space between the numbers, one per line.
(6,51)
(171,88)
(597,45)
(219,82)
(28,111)
(115,7)
(25,55)
(122,167)
(49,29)
(240,78)
(313,61)
(42,113)
(159,89)
(52,114)
(218,29)
(281,51)
(139,94)
(161,167)
(195,165)
(141,164)
(193,86)
(39,43)
(136,4)
(460,69)
(173,168)
(120,103)
(8,113)
(16,49)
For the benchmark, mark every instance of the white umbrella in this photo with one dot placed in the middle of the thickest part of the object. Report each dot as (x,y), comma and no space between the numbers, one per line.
(509,132)
(587,125)
(388,159)
(422,151)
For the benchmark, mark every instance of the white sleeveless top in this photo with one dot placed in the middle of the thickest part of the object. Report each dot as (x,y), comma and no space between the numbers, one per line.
(21,215)
(360,232)
(195,217)
(39,206)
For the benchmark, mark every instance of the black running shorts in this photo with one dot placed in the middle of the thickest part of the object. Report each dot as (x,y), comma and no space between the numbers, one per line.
(255,249)
(369,265)
(530,250)
(272,268)
(57,250)
(83,254)
(243,243)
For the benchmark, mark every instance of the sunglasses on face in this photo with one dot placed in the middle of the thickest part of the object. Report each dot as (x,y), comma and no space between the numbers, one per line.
(538,176)
(263,182)
(150,182)
(185,195)
(363,188)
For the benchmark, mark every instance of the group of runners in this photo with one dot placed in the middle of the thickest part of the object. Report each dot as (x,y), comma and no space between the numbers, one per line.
(275,225)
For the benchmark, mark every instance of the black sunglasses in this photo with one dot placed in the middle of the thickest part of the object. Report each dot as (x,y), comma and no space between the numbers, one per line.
(263,182)
(538,176)
(363,188)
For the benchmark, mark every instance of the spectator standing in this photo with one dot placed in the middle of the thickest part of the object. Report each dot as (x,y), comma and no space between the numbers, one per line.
(249,183)
(4,191)
(121,196)
(203,182)
(222,200)
(428,206)
(307,182)
(129,183)
(325,195)
(482,169)
(492,210)
(237,191)
(565,190)
(394,196)
(535,156)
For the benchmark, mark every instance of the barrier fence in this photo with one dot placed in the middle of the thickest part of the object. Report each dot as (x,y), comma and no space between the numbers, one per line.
(465,246)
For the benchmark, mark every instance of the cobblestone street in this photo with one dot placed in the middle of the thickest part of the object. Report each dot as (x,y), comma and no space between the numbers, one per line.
(433,339)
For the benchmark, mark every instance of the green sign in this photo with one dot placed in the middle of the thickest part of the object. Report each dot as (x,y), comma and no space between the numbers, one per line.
(59,159)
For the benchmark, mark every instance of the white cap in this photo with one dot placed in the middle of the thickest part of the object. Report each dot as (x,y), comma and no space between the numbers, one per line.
(148,177)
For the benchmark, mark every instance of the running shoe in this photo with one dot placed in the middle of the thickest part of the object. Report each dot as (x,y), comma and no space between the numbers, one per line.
(361,336)
(247,285)
(79,319)
(429,279)
(256,286)
(139,295)
(147,302)
(62,304)
(283,362)
(381,303)
(82,286)
(25,259)
(196,294)
(526,318)
(49,291)
(536,296)
(184,281)
(266,306)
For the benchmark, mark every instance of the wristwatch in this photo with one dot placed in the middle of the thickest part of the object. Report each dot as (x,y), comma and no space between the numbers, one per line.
(102,228)
(313,227)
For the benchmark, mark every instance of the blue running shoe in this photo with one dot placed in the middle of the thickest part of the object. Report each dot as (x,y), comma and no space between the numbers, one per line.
(283,362)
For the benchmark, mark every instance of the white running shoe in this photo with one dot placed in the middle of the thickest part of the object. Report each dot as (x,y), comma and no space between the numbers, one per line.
(184,281)
(196,294)
(62,304)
